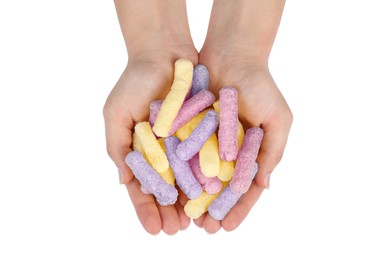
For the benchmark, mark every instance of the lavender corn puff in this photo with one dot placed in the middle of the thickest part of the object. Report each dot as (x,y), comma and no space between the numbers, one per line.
(181,169)
(165,193)
(192,145)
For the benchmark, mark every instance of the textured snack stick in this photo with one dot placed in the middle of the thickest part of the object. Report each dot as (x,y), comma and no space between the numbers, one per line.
(228,124)
(137,146)
(226,170)
(192,145)
(191,108)
(209,185)
(168,175)
(152,148)
(209,157)
(165,194)
(241,179)
(175,98)
(241,131)
(181,169)
(221,206)
(216,106)
(196,207)
(185,131)
(241,134)
(154,109)
(200,79)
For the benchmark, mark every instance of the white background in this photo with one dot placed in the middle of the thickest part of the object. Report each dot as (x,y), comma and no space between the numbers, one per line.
(59,191)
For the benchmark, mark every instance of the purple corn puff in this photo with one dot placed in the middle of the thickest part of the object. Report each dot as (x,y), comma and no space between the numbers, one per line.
(210,185)
(190,146)
(181,169)
(221,206)
(150,180)
(154,108)
(242,174)
(200,79)
(228,124)
(191,108)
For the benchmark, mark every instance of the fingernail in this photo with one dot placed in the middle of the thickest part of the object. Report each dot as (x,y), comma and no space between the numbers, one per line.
(120,174)
(267,180)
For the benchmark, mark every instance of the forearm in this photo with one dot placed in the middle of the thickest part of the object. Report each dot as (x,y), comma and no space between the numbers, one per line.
(153,24)
(248,25)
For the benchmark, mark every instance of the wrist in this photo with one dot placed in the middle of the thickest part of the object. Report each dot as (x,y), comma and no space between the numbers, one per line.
(243,27)
(150,26)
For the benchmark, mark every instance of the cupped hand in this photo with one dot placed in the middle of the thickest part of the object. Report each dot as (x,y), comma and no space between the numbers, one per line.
(146,78)
(260,104)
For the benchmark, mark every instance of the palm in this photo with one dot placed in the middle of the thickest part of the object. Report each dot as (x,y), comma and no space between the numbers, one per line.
(260,104)
(127,105)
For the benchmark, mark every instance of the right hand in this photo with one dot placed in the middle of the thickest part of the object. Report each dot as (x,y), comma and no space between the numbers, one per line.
(146,78)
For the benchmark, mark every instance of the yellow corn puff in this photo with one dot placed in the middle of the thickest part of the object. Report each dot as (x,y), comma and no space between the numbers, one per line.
(226,171)
(168,175)
(185,131)
(209,157)
(154,152)
(196,207)
(175,98)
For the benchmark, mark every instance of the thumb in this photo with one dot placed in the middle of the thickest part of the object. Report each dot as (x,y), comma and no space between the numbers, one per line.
(118,140)
(272,148)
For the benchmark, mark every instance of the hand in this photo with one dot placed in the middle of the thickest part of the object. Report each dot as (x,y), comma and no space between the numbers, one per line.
(260,104)
(147,77)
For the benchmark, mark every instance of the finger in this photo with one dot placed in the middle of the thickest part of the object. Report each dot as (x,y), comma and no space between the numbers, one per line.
(184,220)
(199,221)
(145,207)
(169,218)
(272,148)
(182,197)
(211,225)
(239,212)
(119,139)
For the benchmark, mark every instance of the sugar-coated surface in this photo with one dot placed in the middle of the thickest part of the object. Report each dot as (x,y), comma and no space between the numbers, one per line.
(181,169)
(192,145)
(241,131)
(175,98)
(200,79)
(165,193)
(137,146)
(228,124)
(247,156)
(154,109)
(210,185)
(168,175)
(209,157)
(185,131)
(196,207)
(152,148)
(191,108)
(226,171)
(221,206)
